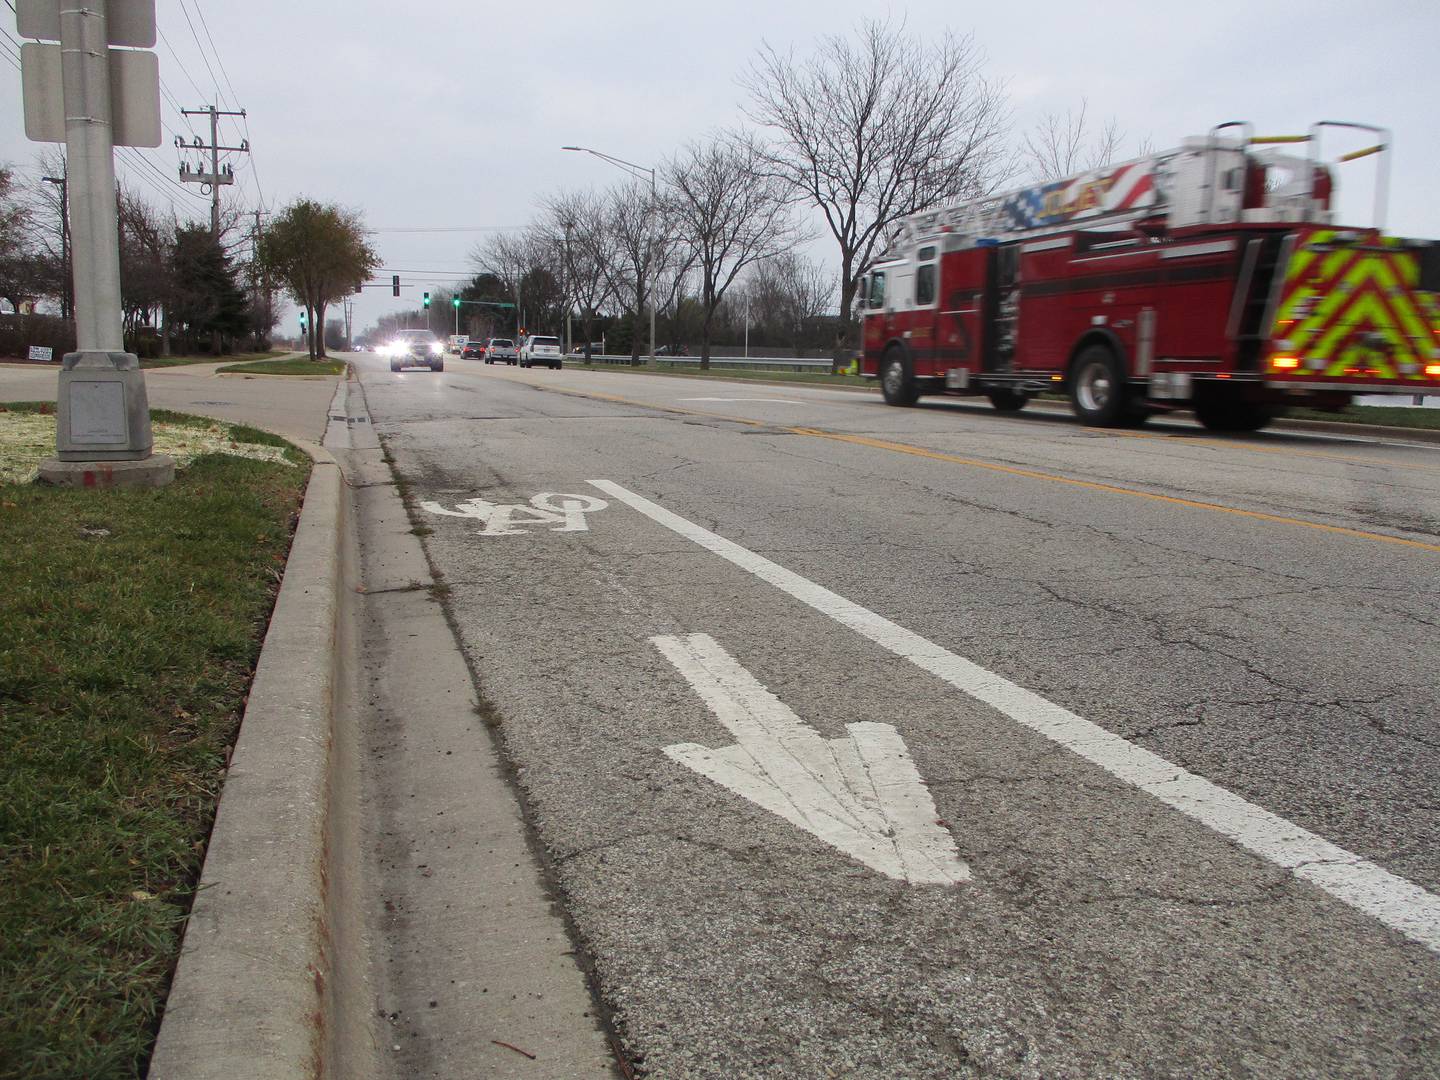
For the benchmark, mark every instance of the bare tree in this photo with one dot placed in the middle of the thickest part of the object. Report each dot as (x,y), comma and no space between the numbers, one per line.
(147,240)
(787,296)
(530,264)
(578,221)
(730,211)
(1061,146)
(875,128)
(639,231)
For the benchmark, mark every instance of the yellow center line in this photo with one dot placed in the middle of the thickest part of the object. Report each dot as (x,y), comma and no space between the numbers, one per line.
(1229,444)
(1031,474)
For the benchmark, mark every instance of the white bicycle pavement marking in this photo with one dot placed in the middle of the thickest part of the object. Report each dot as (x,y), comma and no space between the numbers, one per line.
(565,512)
(861,794)
(1397,903)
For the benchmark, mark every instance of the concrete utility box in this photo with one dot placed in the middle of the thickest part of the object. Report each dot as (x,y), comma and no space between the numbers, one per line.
(102,411)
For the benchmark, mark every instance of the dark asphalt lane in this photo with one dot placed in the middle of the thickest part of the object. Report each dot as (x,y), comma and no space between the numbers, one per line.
(1261,612)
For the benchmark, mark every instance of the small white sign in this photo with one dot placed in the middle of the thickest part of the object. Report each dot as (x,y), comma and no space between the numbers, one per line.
(563,513)
(41,352)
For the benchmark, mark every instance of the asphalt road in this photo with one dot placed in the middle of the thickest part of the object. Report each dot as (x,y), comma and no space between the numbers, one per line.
(1172,699)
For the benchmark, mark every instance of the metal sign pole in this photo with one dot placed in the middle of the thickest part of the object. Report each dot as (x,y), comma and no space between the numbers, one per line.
(102,435)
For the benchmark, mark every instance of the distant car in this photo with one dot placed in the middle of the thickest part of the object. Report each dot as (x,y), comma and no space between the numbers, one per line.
(541,349)
(474,349)
(672,350)
(500,348)
(415,348)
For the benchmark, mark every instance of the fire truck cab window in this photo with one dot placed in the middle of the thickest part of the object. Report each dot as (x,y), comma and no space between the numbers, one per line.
(925,278)
(877,289)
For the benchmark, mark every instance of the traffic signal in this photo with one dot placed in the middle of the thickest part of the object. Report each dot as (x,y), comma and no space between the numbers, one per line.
(427,301)
(395,284)
(456,301)
(302,322)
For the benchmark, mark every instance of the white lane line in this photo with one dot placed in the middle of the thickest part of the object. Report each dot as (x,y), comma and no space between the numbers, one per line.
(861,794)
(1399,904)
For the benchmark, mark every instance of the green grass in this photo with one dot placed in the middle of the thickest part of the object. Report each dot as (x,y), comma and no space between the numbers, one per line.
(181,361)
(132,623)
(814,378)
(1384,415)
(297,366)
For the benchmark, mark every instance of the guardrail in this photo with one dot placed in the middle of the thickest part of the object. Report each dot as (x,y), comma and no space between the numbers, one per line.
(751,363)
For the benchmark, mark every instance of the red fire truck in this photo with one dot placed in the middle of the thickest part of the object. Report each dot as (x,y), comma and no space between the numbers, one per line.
(1212,277)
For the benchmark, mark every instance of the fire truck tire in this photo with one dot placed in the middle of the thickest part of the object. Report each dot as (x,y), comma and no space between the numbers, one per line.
(1222,415)
(897,378)
(1008,400)
(1098,391)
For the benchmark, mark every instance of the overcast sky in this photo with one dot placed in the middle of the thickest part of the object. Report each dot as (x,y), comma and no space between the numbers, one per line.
(451,114)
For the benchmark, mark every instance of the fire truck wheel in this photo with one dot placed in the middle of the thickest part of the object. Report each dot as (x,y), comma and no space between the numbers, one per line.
(1008,400)
(897,381)
(1098,392)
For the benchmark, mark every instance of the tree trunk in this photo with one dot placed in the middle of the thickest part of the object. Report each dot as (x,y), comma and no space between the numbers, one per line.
(848,286)
(318,329)
(705,339)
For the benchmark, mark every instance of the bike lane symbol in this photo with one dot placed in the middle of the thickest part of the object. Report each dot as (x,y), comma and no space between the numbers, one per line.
(563,513)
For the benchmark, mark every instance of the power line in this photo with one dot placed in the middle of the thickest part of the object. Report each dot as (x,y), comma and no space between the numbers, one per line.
(213,49)
(448,229)
(180,64)
(203,58)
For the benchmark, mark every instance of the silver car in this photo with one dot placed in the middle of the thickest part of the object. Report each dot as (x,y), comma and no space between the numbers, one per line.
(500,349)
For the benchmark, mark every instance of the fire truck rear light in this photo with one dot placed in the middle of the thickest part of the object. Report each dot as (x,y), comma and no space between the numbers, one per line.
(1432,369)
(1285,363)
(1057,378)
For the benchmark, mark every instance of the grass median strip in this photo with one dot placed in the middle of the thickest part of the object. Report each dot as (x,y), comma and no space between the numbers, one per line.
(182,361)
(293,366)
(132,623)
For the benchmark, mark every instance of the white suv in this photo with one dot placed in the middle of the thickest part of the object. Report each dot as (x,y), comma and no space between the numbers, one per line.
(539,349)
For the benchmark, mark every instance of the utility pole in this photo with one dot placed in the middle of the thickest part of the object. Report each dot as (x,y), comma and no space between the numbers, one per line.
(215,178)
(63,182)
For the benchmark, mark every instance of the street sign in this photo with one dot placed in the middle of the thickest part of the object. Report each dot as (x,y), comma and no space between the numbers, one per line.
(130,23)
(41,352)
(134,95)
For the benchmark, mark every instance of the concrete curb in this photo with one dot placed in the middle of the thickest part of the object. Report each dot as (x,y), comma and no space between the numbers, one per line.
(249,995)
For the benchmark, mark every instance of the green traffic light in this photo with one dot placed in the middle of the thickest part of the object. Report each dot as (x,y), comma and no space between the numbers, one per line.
(456,301)
(427,299)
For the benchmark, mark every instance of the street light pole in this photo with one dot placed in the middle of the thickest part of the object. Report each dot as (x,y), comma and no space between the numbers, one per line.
(565,289)
(637,171)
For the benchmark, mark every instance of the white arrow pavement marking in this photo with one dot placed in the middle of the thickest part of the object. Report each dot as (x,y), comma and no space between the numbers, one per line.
(861,794)
(1397,903)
